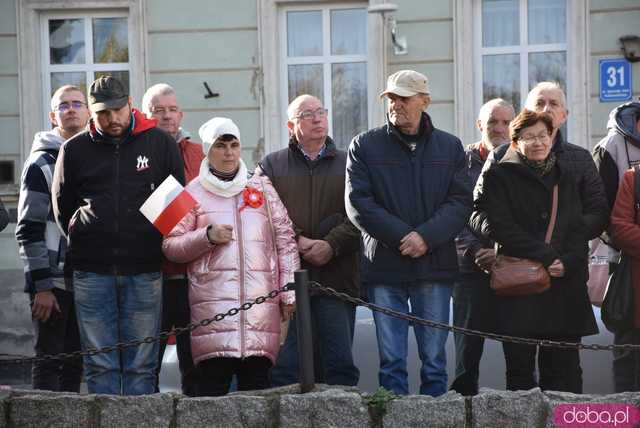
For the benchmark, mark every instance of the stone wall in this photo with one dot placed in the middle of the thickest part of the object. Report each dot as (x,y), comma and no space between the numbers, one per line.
(286,407)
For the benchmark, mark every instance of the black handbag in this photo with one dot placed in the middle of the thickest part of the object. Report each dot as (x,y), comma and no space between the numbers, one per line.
(618,310)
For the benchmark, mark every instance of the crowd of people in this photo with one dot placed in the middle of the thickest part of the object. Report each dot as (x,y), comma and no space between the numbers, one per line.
(408,218)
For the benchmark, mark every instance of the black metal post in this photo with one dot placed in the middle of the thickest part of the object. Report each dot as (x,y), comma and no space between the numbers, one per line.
(303,326)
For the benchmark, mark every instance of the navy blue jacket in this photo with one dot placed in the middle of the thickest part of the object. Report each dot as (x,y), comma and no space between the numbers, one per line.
(392,190)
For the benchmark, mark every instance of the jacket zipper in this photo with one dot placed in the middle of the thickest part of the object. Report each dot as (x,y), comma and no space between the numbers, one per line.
(117,207)
(312,235)
(241,264)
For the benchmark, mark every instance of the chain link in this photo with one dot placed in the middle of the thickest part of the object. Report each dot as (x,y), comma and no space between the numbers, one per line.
(499,337)
(16,359)
(150,339)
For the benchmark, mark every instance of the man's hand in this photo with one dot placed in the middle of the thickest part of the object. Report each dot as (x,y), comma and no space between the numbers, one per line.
(304,244)
(319,253)
(220,233)
(413,245)
(556,269)
(485,258)
(43,305)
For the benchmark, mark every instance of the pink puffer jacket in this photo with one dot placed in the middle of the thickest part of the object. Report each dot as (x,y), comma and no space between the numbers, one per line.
(228,275)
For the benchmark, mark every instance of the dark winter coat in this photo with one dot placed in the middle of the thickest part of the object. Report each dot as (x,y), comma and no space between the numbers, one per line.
(313,193)
(98,188)
(394,188)
(516,206)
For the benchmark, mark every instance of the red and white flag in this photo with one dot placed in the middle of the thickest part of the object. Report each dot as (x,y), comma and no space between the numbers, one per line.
(167,205)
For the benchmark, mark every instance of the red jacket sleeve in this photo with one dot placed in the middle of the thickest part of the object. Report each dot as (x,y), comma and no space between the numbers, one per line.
(624,229)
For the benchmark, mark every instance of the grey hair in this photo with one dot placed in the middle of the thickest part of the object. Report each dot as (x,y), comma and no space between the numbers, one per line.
(293,105)
(61,90)
(154,91)
(544,86)
(487,108)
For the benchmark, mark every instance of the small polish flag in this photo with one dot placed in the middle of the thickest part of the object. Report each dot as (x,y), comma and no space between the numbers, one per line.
(167,205)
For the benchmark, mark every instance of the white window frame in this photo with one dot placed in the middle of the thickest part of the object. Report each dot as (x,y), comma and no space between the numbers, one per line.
(326,59)
(273,106)
(522,49)
(89,67)
(468,68)
(31,52)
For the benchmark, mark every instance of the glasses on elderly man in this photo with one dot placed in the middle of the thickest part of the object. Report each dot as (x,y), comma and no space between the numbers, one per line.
(65,106)
(308,114)
(530,139)
(163,110)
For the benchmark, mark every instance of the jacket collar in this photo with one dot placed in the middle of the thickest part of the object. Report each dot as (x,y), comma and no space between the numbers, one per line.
(559,142)
(330,149)
(512,159)
(426,129)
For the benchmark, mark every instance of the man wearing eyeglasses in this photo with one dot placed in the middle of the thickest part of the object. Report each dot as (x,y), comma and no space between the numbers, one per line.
(409,194)
(161,102)
(43,248)
(309,178)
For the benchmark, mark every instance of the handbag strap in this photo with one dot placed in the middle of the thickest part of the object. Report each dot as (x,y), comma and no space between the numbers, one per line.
(554,215)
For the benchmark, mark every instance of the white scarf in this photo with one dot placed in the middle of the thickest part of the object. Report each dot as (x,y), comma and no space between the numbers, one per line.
(226,189)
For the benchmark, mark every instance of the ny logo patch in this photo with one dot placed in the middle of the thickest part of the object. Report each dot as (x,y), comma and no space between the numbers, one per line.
(143,163)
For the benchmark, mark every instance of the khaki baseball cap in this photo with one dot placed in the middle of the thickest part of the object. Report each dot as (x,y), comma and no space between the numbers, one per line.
(406,83)
(107,93)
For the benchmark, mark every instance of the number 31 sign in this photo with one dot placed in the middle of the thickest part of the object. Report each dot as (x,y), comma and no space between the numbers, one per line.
(615,80)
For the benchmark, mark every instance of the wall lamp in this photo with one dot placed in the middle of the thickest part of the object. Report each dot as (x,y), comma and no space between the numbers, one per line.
(384,9)
(630,46)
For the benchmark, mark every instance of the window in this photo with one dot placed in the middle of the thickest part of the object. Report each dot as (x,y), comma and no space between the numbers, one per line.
(77,49)
(522,42)
(324,53)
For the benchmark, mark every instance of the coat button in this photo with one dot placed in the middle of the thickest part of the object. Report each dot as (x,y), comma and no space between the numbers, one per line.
(544,215)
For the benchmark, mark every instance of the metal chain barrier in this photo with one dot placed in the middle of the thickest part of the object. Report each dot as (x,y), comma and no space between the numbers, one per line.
(18,359)
(499,337)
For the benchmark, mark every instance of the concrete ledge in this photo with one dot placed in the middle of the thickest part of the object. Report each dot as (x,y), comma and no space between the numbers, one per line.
(326,406)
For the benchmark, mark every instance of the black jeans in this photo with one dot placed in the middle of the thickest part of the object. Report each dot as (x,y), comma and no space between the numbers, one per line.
(58,334)
(252,374)
(559,368)
(176,313)
(626,362)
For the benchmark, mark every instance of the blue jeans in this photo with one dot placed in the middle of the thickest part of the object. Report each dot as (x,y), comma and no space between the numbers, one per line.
(333,323)
(429,300)
(113,309)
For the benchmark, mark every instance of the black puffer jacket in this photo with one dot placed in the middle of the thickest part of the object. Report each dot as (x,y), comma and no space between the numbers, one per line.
(580,167)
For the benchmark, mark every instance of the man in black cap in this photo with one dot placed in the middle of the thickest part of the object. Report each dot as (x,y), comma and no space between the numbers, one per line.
(101,179)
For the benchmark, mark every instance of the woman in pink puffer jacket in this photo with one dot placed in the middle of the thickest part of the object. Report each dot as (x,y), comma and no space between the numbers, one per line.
(239,243)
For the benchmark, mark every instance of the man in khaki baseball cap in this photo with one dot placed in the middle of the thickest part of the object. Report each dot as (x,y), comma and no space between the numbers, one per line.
(408,192)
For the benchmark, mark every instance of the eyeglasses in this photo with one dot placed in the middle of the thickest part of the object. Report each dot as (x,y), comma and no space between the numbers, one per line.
(65,106)
(530,139)
(162,110)
(320,113)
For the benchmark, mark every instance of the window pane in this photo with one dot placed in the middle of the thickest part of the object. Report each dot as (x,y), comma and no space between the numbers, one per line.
(349,87)
(76,78)
(305,79)
(110,40)
(304,33)
(348,31)
(500,23)
(501,78)
(66,41)
(548,66)
(547,21)
(122,76)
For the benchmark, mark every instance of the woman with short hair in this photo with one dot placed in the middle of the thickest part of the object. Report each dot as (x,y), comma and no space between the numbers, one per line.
(516,200)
